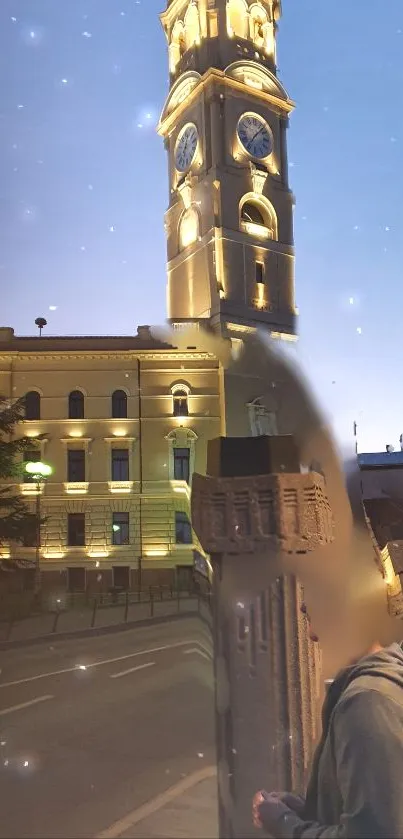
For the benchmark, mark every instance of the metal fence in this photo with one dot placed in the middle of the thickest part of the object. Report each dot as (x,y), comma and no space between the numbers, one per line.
(75,612)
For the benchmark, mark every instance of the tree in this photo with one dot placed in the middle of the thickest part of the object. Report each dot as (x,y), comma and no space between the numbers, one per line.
(17,523)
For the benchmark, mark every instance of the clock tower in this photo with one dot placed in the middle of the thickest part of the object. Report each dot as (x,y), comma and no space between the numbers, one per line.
(229,223)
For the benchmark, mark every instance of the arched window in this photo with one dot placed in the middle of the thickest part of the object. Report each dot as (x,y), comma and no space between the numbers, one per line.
(32,405)
(181,406)
(192,26)
(237,18)
(251,213)
(177,46)
(119,404)
(76,405)
(189,228)
(261,28)
(258,217)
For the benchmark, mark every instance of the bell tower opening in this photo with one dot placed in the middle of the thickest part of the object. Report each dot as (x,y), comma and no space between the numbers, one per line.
(230,213)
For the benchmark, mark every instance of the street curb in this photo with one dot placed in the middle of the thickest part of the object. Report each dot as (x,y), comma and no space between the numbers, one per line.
(93,633)
(119,827)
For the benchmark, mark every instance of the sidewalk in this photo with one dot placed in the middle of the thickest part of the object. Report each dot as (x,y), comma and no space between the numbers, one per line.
(187,810)
(81,623)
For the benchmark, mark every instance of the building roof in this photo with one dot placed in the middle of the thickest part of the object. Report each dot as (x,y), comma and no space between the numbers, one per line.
(380,460)
(144,340)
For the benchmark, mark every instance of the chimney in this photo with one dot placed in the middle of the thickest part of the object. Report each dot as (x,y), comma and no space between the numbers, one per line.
(143,332)
(6,334)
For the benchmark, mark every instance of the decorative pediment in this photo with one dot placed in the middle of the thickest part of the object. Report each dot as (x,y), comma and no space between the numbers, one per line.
(182,437)
(179,92)
(258,78)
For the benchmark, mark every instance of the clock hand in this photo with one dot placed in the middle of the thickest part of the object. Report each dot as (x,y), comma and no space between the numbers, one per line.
(255,135)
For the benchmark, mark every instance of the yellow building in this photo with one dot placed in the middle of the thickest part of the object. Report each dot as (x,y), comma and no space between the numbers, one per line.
(126,420)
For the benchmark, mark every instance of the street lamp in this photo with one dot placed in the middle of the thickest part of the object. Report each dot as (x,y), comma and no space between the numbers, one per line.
(39,472)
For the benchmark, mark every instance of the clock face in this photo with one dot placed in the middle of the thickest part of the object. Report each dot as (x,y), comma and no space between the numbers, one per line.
(255,136)
(186,147)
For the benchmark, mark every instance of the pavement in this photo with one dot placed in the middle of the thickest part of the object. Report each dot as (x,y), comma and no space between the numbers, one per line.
(188,810)
(109,736)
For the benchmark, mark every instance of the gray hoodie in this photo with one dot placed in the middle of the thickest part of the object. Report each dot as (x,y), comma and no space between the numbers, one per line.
(355,790)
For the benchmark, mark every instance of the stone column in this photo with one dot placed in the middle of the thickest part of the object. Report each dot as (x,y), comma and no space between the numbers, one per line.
(252,508)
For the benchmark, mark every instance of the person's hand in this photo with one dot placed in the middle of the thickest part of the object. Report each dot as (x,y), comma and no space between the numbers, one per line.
(296,803)
(268,809)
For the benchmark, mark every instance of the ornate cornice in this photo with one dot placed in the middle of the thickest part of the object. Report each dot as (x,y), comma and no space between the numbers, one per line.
(213,75)
(142,355)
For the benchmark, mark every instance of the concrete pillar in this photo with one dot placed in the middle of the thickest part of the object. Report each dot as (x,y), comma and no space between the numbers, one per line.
(253,507)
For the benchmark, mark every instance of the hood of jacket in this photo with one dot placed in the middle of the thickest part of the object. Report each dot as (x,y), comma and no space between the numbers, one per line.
(385,664)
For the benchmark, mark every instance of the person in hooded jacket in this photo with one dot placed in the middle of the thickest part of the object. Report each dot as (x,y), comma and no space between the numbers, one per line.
(354,790)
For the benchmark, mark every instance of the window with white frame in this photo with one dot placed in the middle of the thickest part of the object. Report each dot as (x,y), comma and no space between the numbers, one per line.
(120,465)
(180,399)
(182,450)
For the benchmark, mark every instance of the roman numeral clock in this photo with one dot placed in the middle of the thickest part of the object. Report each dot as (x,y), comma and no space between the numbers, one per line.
(229,222)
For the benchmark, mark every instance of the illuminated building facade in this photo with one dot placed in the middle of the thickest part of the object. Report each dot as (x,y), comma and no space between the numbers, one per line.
(127,420)
(229,223)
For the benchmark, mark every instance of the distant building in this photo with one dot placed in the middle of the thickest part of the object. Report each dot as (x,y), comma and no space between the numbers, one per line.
(381,473)
(126,421)
(382,491)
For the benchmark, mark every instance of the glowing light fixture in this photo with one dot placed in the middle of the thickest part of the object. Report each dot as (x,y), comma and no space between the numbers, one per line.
(38,470)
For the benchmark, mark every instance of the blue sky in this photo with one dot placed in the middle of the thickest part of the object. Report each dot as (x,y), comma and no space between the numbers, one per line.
(84,184)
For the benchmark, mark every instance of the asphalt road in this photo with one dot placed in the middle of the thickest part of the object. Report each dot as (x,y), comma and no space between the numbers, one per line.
(92,728)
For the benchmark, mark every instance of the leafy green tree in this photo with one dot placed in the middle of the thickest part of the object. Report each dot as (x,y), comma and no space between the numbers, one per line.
(17,523)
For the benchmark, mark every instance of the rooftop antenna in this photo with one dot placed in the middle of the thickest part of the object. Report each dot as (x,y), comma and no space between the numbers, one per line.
(40,323)
(355,435)
(401,442)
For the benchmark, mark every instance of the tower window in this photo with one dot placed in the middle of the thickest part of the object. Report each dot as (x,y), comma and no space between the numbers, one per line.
(189,228)
(181,407)
(76,405)
(251,213)
(213,23)
(237,18)
(32,405)
(119,404)
(259,272)
(257,217)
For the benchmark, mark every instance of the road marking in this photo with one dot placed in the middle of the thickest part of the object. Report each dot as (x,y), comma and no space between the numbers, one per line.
(132,670)
(99,663)
(4,711)
(198,652)
(141,813)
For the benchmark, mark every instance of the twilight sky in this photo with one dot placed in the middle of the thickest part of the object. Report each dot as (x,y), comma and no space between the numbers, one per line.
(83,184)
